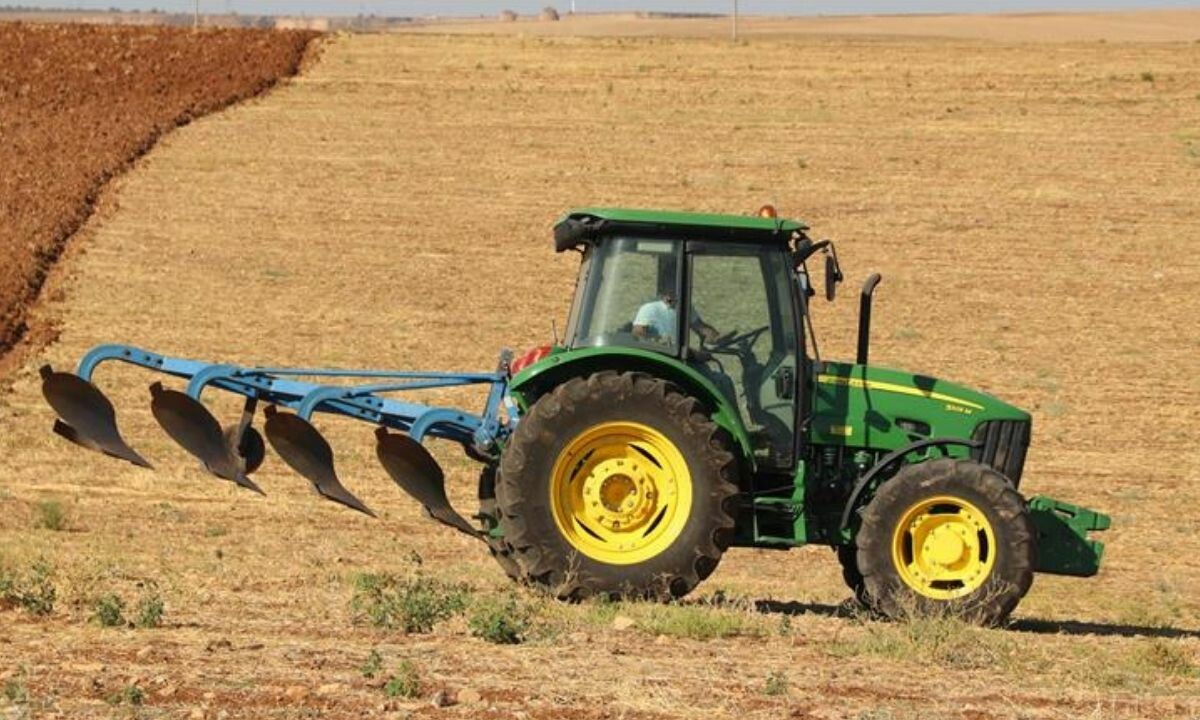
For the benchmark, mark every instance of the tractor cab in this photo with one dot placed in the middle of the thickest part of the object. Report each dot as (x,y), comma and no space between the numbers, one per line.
(717,293)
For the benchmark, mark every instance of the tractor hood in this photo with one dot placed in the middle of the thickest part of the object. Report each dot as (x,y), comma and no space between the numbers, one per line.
(882,409)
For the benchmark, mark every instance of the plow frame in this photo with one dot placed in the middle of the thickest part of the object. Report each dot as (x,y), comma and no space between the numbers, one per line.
(277,386)
(87,418)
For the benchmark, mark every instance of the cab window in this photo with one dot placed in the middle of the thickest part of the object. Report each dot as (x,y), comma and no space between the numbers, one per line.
(630,296)
(745,340)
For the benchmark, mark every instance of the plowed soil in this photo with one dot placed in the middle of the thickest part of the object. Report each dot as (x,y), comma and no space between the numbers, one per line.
(79,103)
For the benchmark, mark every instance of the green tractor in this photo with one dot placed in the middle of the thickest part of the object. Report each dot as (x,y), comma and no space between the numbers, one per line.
(686,411)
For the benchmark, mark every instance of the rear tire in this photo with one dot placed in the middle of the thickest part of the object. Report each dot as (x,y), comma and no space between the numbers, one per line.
(847,556)
(947,536)
(617,484)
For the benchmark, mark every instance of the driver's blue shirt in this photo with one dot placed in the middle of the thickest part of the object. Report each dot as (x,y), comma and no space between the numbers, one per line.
(659,317)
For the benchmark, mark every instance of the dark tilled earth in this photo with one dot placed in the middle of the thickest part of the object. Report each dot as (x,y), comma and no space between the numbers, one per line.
(79,103)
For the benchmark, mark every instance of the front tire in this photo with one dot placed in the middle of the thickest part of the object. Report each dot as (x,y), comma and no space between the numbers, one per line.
(947,536)
(617,484)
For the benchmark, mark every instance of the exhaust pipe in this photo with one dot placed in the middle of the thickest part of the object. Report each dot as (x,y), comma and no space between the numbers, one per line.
(864,318)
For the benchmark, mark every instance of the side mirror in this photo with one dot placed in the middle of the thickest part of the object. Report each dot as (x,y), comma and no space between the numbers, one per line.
(833,275)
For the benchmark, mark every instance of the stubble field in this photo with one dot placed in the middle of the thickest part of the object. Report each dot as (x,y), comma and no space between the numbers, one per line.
(1032,207)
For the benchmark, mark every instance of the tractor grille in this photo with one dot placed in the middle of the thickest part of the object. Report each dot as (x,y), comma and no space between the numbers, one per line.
(1004,446)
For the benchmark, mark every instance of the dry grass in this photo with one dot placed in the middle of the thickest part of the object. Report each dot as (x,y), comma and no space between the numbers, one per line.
(1032,209)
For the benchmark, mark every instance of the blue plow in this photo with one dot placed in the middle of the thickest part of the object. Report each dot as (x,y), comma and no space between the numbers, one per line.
(235,450)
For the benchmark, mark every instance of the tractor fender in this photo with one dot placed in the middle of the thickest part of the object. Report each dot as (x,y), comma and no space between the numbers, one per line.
(543,376)
(855,500)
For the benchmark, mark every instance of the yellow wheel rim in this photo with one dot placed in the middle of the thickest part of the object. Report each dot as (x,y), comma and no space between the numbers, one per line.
(620,492)
(944,548)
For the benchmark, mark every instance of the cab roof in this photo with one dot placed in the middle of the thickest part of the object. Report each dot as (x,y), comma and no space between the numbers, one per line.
(585,225)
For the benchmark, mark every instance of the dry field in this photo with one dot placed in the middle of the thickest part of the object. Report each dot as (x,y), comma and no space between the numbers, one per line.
(1178,25)
(1033,208)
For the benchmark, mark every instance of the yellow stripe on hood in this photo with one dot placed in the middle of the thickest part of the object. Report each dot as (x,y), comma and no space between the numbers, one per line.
(894,388)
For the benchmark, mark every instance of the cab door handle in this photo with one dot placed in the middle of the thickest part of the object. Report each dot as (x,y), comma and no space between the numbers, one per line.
(785,383)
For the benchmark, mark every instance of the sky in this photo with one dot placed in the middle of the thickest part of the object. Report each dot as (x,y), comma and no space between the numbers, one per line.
(491,7)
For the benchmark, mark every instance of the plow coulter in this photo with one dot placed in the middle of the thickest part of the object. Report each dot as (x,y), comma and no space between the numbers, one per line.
(290,400)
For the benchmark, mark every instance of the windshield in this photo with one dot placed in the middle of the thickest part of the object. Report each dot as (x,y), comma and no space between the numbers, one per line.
(629,295)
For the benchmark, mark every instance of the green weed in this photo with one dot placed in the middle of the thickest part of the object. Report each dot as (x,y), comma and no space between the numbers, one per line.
(150,610)
(108,610)
(50,515)
(404,683)
(128,695)
(503,621)
(372,666)
(414,605)
(32,590)
(776,683)
(15,692)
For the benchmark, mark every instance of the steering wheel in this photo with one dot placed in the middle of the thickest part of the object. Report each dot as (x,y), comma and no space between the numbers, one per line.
(731,338)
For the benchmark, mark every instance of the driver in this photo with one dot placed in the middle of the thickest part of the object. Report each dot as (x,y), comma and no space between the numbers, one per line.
(657,320)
